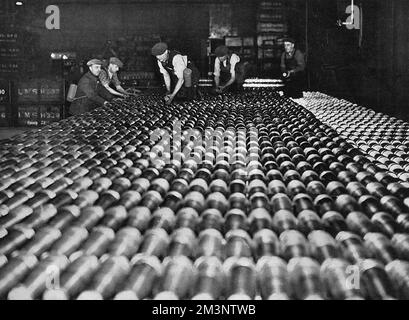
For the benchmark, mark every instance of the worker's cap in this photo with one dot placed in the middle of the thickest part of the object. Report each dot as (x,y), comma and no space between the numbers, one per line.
(291,40)
(221,51)
(94,61)
(159,49)
(116,61)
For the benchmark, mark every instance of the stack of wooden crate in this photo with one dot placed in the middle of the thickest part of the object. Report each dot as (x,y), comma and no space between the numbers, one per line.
(271,29)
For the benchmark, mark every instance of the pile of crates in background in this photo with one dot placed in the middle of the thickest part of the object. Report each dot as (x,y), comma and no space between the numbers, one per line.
(139,64)
(31,103)
(271,29)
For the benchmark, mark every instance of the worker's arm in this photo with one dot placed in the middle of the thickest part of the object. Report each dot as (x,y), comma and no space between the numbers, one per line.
(299,57)
(217,81)
(118,86)
(231,81)
(179,65)
(169,97)
(178,86)
(112,91)
(104,79)
(126,92)
(121,90)
(217,72)
(166,76)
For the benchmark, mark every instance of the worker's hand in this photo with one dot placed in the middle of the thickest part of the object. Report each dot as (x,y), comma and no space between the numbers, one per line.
(290,73)
(132,92)
(220,89)
(169,98)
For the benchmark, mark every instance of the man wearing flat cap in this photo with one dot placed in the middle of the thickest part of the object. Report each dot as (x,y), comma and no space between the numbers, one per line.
(292,67)
(109,79)
(87,96)
(228,70)
(179,73)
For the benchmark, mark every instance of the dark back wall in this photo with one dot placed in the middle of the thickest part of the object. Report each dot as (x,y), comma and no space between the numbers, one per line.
(373,73)
(87,25)
(85,28)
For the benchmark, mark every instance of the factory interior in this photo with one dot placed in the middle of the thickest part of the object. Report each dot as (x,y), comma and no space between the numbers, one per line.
(204,150)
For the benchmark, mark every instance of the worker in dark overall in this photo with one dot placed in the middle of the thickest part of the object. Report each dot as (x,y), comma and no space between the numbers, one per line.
(87,96)
(229,71)
(293,69)
(179,73)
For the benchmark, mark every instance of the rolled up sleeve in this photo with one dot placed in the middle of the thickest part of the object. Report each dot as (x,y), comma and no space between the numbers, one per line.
(103,78)
(234,60)
(179,65)
(217,67)
(116,80)
(161,68)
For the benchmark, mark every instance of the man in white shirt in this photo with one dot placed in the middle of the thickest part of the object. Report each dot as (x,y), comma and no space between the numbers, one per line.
(228,70)
(177,70)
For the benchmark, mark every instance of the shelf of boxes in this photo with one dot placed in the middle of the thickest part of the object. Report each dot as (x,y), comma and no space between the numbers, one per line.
(244,46)
(271,29)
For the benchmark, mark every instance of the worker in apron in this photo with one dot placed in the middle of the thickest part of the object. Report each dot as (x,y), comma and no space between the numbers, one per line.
(179,73)
(229,71)
(293,69)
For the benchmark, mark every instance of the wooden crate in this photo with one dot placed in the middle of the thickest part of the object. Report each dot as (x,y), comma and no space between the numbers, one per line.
(38,115)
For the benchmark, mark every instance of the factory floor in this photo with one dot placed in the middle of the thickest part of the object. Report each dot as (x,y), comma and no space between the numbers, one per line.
(94,193)
(8,132)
